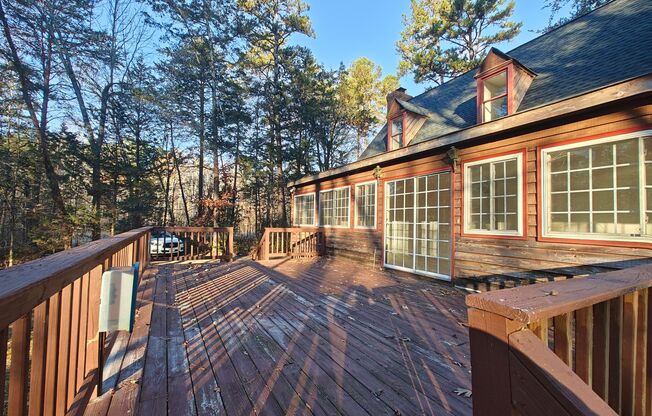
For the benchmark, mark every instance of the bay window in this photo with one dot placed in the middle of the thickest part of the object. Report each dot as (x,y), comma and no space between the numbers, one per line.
(493,197)
(599,189)
(304,210)
(334,207)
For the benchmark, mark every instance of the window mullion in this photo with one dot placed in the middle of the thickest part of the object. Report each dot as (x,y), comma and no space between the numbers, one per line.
(492,192)
(642,203)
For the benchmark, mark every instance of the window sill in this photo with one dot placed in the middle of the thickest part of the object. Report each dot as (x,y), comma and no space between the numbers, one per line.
(494,234)
(641,242)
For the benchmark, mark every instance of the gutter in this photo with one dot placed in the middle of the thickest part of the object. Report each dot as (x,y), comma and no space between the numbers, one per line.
(581,102)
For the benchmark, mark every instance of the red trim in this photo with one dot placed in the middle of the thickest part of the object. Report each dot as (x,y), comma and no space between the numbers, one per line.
(595,136)
(523,152)
(540,196)
(508,68)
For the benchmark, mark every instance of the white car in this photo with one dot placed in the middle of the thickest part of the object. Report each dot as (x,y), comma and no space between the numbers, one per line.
(163,242)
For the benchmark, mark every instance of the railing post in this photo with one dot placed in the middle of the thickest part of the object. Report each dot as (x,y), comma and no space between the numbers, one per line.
(265,246)
(489,337)
(229,246)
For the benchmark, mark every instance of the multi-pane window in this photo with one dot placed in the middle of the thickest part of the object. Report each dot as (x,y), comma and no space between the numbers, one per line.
(334,207)
(599,190)
(304,209)
(494,96)
(396,132)
(493,196)
(418,224)
(365,205)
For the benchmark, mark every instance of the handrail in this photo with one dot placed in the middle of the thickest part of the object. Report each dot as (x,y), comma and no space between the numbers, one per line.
(531,303)
(24,286)
(581,345)
(49,309)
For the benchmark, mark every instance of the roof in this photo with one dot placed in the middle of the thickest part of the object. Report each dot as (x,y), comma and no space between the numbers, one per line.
(601,48)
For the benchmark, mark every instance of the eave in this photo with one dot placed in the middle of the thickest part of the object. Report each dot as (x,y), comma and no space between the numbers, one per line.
(567,106)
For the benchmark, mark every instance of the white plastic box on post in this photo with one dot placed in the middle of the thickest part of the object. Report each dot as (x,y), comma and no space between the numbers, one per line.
(118,299)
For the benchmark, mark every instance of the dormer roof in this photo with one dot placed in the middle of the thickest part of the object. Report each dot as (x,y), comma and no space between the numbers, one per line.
(601,48)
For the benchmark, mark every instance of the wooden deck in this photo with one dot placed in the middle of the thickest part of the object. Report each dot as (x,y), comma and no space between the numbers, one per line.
(288,337)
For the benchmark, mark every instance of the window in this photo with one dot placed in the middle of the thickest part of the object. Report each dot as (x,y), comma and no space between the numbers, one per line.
(365,205)
(494,96)
(599,190)
(334,207)
(493,196)
(396,132)
(304,209)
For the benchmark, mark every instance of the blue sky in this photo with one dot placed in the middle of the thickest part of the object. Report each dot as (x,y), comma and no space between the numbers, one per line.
(348,29)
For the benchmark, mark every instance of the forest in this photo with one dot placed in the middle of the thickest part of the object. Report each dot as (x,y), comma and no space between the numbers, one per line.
(116,114)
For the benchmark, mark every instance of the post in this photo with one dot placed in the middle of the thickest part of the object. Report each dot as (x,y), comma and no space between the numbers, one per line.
(489,336)
(265,246)
(229,246)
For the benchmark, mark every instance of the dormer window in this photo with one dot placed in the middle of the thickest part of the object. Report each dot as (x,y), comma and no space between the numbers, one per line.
(502,82)
(395,133)
(494,96)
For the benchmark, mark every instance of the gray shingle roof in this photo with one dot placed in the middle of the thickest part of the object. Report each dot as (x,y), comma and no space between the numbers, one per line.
(606,46)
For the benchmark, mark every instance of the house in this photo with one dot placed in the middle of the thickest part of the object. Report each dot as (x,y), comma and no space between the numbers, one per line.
(534,166)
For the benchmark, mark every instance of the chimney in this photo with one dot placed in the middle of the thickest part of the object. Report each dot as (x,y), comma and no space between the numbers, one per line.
(397,93)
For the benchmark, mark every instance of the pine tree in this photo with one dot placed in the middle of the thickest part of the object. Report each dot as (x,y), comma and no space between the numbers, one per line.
(443,39)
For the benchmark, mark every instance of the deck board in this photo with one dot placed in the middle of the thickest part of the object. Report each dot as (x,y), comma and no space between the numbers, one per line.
(322,337)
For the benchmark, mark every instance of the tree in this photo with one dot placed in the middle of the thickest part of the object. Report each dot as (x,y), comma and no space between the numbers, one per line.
(363,92)
(443,39)
(268,25)
(577,8)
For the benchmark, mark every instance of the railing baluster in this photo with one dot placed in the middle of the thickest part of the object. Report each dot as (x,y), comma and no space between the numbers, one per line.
(39,350)
(615,352)
(50,383)
(563,337)
(74,340)
(640,395)
(18,372)
(64,349)
(584,344)
(3,367)
(601,337)
(628,357)
(83,322)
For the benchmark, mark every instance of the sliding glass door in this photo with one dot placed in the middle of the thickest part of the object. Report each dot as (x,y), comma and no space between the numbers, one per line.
(418,224)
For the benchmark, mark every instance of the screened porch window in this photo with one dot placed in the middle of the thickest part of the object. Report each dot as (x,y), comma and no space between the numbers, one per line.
(493,196)
(334,207)
(365,205)
(304,209)
(599,190)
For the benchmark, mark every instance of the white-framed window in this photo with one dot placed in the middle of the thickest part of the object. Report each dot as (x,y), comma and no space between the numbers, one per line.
(495,96)
(304,209)
(365,205)
(493,196)
(599,189)
(334,207)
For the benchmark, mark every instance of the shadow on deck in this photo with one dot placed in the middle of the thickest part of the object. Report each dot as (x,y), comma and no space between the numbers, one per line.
(322,336)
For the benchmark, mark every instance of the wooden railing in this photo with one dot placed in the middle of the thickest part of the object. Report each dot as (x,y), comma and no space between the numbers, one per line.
(49,312)
(290,242)
(580,346)
(192,243)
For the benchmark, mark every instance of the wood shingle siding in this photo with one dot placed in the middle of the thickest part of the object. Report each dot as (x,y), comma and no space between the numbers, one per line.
(485,263)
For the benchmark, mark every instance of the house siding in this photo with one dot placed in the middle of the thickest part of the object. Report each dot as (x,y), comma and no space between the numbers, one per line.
(484,263)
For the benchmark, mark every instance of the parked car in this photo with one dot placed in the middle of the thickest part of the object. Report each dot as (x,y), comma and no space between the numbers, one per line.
(163,242)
